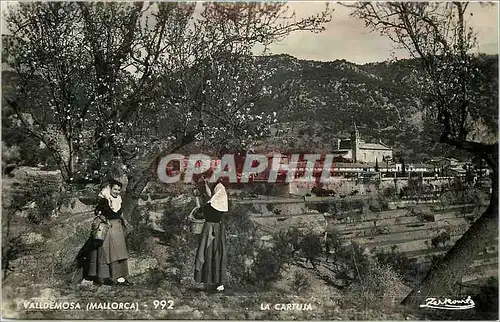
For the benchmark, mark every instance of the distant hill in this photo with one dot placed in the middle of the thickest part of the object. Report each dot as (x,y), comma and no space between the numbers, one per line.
(325,98)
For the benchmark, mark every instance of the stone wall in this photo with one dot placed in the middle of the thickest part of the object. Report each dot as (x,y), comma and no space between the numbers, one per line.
(347,186)
(366,155)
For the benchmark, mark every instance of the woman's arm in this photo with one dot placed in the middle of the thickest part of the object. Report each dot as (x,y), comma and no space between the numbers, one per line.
(99,214)
(207,189)
(124,222)
(99,210)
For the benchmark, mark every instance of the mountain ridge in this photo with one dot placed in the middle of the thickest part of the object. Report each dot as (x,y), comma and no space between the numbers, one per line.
(382,98)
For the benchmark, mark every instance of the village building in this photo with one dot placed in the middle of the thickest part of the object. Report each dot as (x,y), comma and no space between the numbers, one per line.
(358,151)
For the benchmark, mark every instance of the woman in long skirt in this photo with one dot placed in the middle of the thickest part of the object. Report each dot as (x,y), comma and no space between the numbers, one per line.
(211,255)
(107,262)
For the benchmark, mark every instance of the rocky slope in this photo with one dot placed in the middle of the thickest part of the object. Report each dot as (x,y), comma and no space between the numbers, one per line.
(322,100)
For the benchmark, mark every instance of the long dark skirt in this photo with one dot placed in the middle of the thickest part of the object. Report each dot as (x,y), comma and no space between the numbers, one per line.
(211,255)
(108,260)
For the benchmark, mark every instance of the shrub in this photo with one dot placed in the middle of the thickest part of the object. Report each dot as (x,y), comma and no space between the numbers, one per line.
(435,258)
(238,222)
(323,207)
(140,231)
(241,249)
(175,220)
(441,239)
(407,269)
(277,211)
(248,263)
(389,192)
(266,268)
(375,205)
(244,194)
(48,199)
(300,282)
(12,248)
(29,150)
(349,264)
(182,259)
(10,154)
(332,242)
(311,246)
(176,235)
(378,284)
(64,257)
(288,242)
(273,190)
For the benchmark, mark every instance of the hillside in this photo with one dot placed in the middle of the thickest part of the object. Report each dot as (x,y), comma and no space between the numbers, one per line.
(323,99)
(318,102)
(38,266)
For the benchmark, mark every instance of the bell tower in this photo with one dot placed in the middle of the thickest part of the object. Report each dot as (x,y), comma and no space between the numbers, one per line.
(355,143)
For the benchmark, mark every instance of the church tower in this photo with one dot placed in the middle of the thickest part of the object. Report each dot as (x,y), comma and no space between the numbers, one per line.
(355,143)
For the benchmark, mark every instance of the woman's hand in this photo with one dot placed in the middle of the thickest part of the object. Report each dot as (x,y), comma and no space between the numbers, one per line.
(95,223)
(125,223)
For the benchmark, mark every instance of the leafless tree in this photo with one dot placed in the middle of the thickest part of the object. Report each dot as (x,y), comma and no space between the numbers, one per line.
(128,82)
(438,35)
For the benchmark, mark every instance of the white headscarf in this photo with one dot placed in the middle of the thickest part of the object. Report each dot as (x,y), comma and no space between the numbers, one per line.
(219,198)
(114,203)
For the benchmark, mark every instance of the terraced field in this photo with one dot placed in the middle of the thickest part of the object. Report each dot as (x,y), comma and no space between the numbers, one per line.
(419,235)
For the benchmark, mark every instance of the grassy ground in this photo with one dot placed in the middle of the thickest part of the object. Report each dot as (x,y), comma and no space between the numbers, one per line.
(37,275)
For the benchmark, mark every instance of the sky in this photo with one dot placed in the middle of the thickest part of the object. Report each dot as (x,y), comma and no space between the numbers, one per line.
(347,38)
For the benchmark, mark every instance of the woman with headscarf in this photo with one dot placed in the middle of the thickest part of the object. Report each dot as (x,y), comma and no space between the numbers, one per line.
(211,256)
(105,262)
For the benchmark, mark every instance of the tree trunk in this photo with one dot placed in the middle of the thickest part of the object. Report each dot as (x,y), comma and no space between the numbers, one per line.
(444,279)
(138,181)
(131,197)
